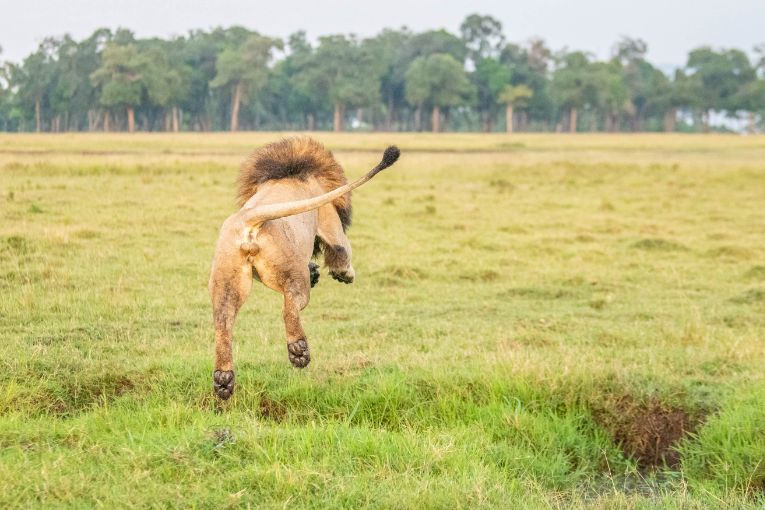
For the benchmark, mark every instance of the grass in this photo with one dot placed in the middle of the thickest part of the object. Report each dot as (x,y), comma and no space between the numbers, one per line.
(537,321)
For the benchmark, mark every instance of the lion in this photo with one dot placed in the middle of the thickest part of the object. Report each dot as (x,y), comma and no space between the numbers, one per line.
(294,204)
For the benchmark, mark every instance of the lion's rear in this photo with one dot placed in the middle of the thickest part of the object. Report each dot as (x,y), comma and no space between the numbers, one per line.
(294,157)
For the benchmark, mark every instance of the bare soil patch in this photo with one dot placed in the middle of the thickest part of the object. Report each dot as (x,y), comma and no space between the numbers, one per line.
(646,430)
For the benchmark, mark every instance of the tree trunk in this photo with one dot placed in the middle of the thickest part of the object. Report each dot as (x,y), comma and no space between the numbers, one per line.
(38,116)
(418,119)
(750,127)
(107,121)
(176,120)
(311,122)
(669,121)
(389,114)
(572,120)
(235,103)
(509,117)
(705,121)
(337,120)
(131,119)
(436,119)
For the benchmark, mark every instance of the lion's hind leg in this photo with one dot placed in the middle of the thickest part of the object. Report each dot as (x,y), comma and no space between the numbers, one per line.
(229,286)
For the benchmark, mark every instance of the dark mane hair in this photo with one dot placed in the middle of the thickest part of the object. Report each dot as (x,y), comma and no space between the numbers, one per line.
(295,157)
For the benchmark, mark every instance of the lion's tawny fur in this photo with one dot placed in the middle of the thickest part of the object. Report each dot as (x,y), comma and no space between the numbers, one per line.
(293,197)
(295,157)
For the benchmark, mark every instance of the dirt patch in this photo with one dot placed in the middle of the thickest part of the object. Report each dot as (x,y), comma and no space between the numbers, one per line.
(646,430)
(271,409)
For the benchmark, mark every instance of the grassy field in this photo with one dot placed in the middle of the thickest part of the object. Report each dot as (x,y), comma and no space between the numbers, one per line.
(537,321)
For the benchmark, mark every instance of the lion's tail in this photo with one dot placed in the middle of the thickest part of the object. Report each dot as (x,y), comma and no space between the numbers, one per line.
(263,213)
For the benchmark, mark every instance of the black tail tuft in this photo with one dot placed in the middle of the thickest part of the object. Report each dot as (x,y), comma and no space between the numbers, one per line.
(390,156)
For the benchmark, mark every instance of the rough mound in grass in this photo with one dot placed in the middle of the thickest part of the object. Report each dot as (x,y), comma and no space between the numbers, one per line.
(647,430)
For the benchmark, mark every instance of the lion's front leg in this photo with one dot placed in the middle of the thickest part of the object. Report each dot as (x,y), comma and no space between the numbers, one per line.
(336,246)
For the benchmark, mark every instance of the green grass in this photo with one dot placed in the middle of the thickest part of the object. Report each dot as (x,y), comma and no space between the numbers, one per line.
(537,321)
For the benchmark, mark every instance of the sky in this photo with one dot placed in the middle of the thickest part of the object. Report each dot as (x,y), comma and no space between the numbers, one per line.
(670,27)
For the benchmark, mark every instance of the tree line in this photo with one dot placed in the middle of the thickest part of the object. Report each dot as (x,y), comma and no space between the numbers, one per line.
(234,78)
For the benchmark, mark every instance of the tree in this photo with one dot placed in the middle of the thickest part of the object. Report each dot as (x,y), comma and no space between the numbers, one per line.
(513,96)
(5,94)
(345,74)
(751,98)
(392,50)
(438,80)
(243,69)
(490,79)
(718,76)
(571,85)
(482,36)
(607,92)
(629,55)
(34,79)
(529,66)
(121,79)
(168,79)
(431,42)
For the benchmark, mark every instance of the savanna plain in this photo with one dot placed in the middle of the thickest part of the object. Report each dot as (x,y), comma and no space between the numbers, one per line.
(537,321)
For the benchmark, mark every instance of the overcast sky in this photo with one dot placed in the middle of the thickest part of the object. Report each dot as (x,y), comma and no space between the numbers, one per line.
(671,27)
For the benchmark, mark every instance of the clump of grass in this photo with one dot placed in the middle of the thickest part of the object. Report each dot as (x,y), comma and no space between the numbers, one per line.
(755,273)
(486,275)
(606,205)
(404,272)
(727,453)
(658,244)
(536,293)
(16,245)
(732,252)
(502,185)
(749,297)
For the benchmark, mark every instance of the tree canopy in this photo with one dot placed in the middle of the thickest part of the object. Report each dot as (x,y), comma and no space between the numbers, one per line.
(233,78)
